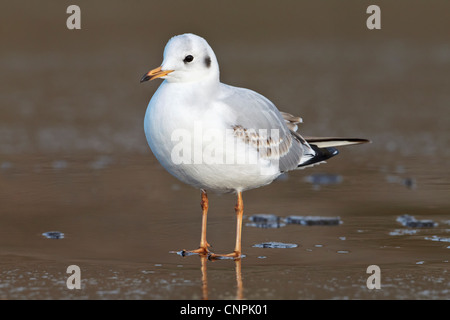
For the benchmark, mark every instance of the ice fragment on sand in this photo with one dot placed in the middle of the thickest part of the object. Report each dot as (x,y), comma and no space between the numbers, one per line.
(264,220)
(313,220)
(273,244)
(401,232)
(410,221)
(436,238)
(53,235)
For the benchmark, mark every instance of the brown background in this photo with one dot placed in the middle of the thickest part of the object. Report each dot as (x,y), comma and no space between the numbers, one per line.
(73,155)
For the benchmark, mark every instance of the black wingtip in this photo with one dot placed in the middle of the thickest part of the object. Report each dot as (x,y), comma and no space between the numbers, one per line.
(322,154)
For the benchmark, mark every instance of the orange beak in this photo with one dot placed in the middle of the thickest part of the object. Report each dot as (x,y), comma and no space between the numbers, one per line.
(155,73)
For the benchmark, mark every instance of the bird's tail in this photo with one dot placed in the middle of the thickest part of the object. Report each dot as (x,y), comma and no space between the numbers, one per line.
(324,142)
(325,148)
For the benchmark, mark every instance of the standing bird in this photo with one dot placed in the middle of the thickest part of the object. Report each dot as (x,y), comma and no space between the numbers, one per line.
(221,138)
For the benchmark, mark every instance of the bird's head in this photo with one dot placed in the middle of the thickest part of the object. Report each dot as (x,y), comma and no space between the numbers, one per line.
(187,58)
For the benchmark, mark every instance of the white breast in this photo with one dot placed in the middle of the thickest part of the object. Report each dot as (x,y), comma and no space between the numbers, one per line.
(194,142)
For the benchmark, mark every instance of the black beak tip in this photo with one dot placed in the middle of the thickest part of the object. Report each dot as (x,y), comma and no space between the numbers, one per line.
(145,78)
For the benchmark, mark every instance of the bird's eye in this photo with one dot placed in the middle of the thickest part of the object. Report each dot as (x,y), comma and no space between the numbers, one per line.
(188,58)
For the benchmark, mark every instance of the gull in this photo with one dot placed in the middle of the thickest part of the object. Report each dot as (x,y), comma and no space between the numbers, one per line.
(221,138)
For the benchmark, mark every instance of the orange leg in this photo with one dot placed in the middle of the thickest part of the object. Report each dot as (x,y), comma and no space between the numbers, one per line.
(203,248)
(239,208)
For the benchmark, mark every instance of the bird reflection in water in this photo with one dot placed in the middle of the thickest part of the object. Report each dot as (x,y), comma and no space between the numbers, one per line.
(239,285)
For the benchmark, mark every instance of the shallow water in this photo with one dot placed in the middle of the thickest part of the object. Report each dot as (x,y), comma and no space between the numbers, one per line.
(122,222)
(74,160)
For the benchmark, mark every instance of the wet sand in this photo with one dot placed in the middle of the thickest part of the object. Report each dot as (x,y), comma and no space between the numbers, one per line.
(121,224)
(74,157)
